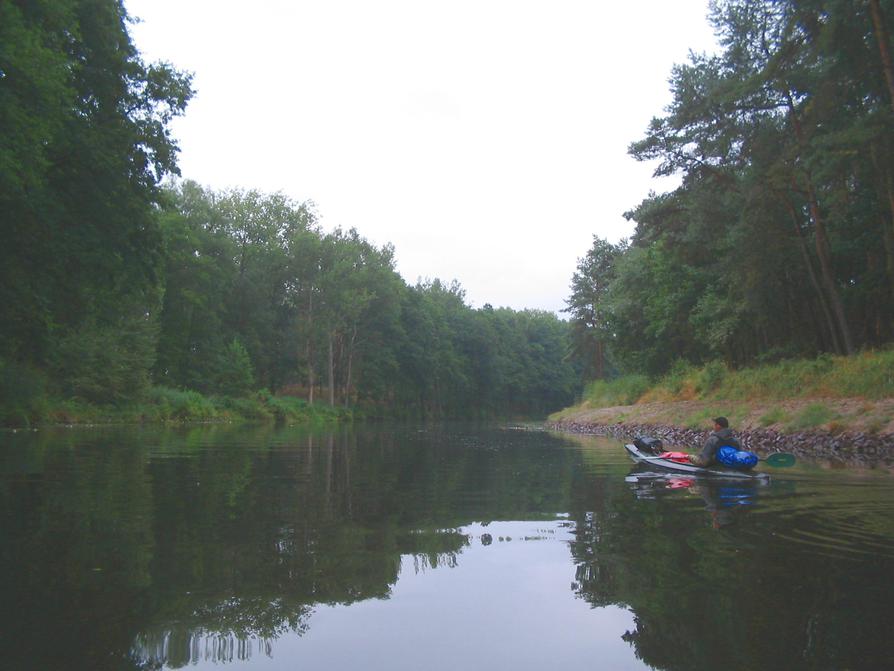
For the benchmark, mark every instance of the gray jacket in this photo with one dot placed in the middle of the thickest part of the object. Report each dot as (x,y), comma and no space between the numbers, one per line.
(715,441)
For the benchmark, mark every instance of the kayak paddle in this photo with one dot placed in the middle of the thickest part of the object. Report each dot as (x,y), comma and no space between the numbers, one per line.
(779,460)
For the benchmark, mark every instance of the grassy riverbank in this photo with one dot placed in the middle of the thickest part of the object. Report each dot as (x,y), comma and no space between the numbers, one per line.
(162,404)
(827,394)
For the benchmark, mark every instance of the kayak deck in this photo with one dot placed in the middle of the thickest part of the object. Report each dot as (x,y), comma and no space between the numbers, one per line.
(715,472)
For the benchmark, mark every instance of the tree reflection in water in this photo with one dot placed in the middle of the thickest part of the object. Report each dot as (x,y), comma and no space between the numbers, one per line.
(146,548)
(211,543)
(732,590)
(184,646)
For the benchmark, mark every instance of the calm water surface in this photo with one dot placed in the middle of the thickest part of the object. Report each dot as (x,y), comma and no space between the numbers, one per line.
(412,547)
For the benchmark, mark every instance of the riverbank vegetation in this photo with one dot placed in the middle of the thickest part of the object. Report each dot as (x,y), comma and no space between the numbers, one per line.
(126,294)
(778,243)
(250,294)
(868,375)
(164,404)
(830,392)
(762,287)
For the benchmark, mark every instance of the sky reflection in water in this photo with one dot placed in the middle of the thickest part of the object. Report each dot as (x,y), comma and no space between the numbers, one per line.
(503,605)
(380,548)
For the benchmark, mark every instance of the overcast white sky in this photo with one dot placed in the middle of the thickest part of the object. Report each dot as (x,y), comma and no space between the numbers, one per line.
(486,140)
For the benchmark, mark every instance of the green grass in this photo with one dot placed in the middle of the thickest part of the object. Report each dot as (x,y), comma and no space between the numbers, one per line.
(678,384)
(812,416)
(711,377)
(868,375)
(699,419)
(291,409)
(164,404)
(620,391)
(242,408)
(774,416)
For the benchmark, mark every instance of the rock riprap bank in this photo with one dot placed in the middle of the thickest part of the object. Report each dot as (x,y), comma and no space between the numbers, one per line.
(852,446)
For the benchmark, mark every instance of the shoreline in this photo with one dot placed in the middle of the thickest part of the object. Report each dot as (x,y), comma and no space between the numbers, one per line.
(850,437)
(167,406)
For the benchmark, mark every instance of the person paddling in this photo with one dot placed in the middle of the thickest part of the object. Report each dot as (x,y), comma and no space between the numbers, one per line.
(722,435)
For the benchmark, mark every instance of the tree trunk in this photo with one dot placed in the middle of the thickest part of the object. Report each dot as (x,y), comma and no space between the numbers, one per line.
(331,373)
(814,282)
(309,348)
(330,445)
(885,192)
(600,360)
(881,36)
(885,316)
(823,252)
(888,234)
(350,365)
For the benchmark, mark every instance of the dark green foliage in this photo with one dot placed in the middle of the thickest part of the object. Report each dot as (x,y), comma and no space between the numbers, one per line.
(84,144)
(326,317)
(590,321)
(711,377)
(255,294)
(22,394)
(234,372)
(779,242)
(105,363)
(463,362)
(174,404)
(110,284)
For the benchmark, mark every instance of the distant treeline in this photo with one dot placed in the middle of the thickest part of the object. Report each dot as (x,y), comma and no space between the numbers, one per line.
(779,242)
(110,283)
(255,294)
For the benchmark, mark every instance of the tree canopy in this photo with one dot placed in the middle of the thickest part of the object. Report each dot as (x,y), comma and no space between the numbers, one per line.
(114,277)
(252,277)
(85,143)
(779,241)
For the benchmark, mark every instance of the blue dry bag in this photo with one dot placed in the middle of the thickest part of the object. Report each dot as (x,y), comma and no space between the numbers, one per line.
(730,456)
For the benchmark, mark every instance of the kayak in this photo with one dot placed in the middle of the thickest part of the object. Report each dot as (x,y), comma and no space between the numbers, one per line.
(712,471)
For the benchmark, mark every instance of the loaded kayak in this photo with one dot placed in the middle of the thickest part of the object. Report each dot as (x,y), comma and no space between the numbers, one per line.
(646,457)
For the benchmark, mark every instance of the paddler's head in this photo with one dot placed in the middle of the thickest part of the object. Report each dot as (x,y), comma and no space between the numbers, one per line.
(720,423)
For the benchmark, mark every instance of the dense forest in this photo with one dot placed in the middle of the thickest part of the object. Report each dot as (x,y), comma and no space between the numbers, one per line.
(256,294)
(116,278)
(779,240)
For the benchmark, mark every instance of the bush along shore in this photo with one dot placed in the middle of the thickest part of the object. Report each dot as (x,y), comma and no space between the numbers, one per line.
(166,405)
(834,409)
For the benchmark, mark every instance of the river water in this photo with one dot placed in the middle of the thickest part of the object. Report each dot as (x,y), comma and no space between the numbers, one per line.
(428,547)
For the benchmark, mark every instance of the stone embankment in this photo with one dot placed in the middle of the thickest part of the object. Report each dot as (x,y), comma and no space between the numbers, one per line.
(846,448)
